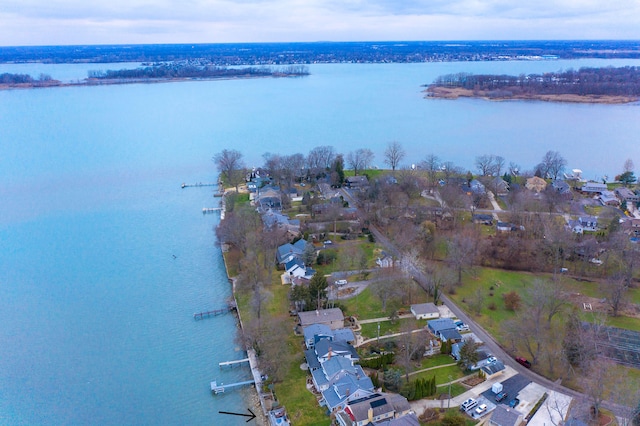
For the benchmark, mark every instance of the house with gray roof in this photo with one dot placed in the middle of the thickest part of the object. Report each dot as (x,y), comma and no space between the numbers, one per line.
(505,416)
(332,317)
(333,370)
(348,388)
(326,349)
(594,187)
(425,311)
(444,329)
(625,194)
(316,332)
(374,409)
(493,368)
(408,420)
(608,198)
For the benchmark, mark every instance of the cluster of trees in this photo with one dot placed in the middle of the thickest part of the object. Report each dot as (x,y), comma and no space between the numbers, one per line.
(188,69)
(420,388)
(11,79)
(622,81)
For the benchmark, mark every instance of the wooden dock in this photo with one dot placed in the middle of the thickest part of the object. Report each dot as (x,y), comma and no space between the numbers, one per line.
(232,363)
(213,313)
(211,210)
(197,185)
(215,388)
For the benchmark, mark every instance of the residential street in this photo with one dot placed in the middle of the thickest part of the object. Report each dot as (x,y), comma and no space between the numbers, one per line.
(489,341)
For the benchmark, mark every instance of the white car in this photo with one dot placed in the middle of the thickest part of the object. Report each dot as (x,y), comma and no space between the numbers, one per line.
(341,282)
(481,409)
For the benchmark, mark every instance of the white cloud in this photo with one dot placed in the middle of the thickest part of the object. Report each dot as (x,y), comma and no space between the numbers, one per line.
(168,21)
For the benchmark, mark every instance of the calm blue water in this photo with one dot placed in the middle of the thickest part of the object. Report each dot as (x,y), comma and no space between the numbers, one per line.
(95,312)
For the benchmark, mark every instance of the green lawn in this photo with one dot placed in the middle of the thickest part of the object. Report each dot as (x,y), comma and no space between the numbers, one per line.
(364,306)
(624,322)
(456,389)
(442,374)
(292,393)
(435,361)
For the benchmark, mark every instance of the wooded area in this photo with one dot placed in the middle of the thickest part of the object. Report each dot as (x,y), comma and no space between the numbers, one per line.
(622,81)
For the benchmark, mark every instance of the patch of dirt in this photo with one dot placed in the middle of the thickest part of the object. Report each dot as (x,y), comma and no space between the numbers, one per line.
(473,381)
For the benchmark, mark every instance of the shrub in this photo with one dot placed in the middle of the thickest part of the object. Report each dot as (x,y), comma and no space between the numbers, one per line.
(492,306)
(512,301)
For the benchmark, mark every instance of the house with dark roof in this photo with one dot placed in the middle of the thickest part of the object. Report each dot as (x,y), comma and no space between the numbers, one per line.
(444,329)
(288,251)
(407,420)
(373,409)
(348,388)
(356,182)
(316,332)
(484,219)
(562,188)
(493,368)
(326,349)
(425,311)
(505,416)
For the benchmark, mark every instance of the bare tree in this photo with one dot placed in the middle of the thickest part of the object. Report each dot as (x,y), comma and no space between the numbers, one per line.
(393,154)
(320,158)
(360,159)
(230,165)
(461,252)
(552,165)
(432,165)
(411,343)
(595,383)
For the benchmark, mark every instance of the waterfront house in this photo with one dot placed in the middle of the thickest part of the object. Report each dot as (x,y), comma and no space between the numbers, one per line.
(608,198)
(593,187)
(536,184)
(332,317)
(373,409)
(333,370)
(347,389)
(625,194)
(425,311)
(327,349)
(356,182)
(316,332)
(289,251)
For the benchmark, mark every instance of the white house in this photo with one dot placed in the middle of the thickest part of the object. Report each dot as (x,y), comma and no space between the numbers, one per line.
(425,311)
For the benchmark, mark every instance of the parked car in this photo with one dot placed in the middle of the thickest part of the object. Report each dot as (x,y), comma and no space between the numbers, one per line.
(481,409)
(523,361)
(501,396)
(461,326)
(341,282)
(468,404)
(514,403)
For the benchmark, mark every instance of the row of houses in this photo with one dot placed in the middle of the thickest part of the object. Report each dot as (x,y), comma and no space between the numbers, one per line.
(342,385)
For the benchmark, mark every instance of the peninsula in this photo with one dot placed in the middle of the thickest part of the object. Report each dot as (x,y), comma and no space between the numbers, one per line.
(155,73)
(587,85)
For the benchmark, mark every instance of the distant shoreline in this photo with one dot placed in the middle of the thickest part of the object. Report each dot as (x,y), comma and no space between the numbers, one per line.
(439,92)
(111,82)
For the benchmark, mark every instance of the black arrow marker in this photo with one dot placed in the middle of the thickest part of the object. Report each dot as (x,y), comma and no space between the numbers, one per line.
(251,416)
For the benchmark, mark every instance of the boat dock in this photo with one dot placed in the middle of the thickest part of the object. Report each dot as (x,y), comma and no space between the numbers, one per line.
(232,363)
(196,185)
(213,313)
(211,209)
(215,388)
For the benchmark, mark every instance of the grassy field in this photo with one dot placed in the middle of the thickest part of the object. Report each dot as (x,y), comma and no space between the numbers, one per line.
(442,374)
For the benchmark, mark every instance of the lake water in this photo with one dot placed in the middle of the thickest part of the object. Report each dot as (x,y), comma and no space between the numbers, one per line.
(96,312)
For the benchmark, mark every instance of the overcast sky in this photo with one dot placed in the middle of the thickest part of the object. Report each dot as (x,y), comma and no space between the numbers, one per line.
(52,22)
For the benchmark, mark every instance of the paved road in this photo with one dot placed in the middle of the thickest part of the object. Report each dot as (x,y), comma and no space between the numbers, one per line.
(480,332)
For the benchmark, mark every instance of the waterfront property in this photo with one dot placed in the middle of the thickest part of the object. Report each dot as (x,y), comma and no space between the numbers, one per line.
(332,317)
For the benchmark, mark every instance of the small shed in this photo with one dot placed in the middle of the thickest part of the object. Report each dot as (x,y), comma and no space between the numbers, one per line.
(425,311)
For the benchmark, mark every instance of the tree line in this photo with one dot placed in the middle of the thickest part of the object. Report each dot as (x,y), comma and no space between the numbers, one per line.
(621,81)
(189,69)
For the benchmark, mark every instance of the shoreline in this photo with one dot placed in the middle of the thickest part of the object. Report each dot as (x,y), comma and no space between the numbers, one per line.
(254,395)
(116,82)
(439,92)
